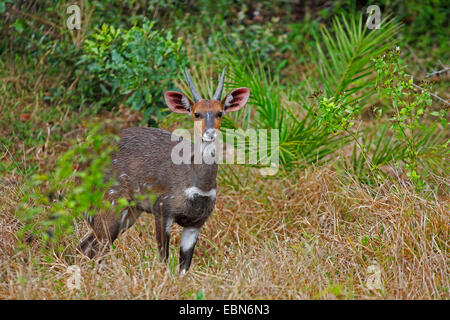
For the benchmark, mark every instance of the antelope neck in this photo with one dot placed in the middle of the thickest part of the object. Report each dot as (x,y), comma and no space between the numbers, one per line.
(204,173)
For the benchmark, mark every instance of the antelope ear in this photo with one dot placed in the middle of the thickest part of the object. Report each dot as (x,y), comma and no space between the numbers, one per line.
(177,102)
(236,99)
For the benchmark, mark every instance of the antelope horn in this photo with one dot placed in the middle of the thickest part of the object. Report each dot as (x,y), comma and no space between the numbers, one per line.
(194,91)
(219,89)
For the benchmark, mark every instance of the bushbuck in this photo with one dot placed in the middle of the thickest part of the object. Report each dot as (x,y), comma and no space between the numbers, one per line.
(183,193)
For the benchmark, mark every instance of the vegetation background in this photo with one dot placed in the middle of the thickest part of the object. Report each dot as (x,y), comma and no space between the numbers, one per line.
(358,210)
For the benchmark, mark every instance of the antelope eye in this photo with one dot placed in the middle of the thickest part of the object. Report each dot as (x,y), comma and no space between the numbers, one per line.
(219,114)
(197,115)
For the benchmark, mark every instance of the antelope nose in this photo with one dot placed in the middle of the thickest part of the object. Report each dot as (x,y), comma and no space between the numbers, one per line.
(210,134)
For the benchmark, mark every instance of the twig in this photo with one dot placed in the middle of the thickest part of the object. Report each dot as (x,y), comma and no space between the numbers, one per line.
(37,18)
(435,73)
(432,94)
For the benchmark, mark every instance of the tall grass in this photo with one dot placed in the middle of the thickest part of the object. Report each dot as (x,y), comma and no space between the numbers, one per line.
(308,236)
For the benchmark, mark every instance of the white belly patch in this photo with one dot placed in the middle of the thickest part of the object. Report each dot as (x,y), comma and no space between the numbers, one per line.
(193,191)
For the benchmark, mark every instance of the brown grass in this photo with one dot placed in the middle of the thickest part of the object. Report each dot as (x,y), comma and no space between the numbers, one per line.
(311,236)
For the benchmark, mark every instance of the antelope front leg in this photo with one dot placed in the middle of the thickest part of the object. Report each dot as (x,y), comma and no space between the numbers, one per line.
(188,241)
(163,224)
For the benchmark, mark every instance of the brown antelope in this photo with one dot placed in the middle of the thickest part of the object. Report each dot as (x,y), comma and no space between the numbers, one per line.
(182,193)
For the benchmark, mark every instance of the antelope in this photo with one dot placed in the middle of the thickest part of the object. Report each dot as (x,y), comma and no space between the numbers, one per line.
(182,193)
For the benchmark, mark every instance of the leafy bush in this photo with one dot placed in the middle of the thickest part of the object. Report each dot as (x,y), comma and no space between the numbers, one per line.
(407,137)
(134,65)
(411,108)
(52,201)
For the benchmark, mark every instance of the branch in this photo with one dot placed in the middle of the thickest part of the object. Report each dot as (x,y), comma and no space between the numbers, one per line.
(432,94)
(34,17)
(435,73)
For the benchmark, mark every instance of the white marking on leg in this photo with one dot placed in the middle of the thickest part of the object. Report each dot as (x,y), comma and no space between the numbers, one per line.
(89,218)
(122,219)
(189,238)
(193,191)
(169,224)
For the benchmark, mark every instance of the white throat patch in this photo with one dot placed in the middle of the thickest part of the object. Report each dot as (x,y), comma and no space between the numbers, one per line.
(193,191)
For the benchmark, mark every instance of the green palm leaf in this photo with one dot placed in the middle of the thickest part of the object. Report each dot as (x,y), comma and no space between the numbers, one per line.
(343,54)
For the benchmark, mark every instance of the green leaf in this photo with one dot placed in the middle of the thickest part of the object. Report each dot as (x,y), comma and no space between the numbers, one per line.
(200,295)
(19,25)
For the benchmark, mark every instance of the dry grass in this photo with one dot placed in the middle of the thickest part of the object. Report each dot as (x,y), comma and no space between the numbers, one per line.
(311,236)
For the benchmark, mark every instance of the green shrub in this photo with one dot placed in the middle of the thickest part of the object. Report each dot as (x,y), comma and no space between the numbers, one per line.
(134,66)
(411,106)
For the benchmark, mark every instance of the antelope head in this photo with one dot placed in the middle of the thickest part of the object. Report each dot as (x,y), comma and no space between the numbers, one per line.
(207,114)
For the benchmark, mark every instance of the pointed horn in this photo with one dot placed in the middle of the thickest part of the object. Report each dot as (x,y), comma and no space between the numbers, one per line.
(194,91)
(218,94)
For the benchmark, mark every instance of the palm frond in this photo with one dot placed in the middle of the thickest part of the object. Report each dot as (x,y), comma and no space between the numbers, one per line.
(343,54)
